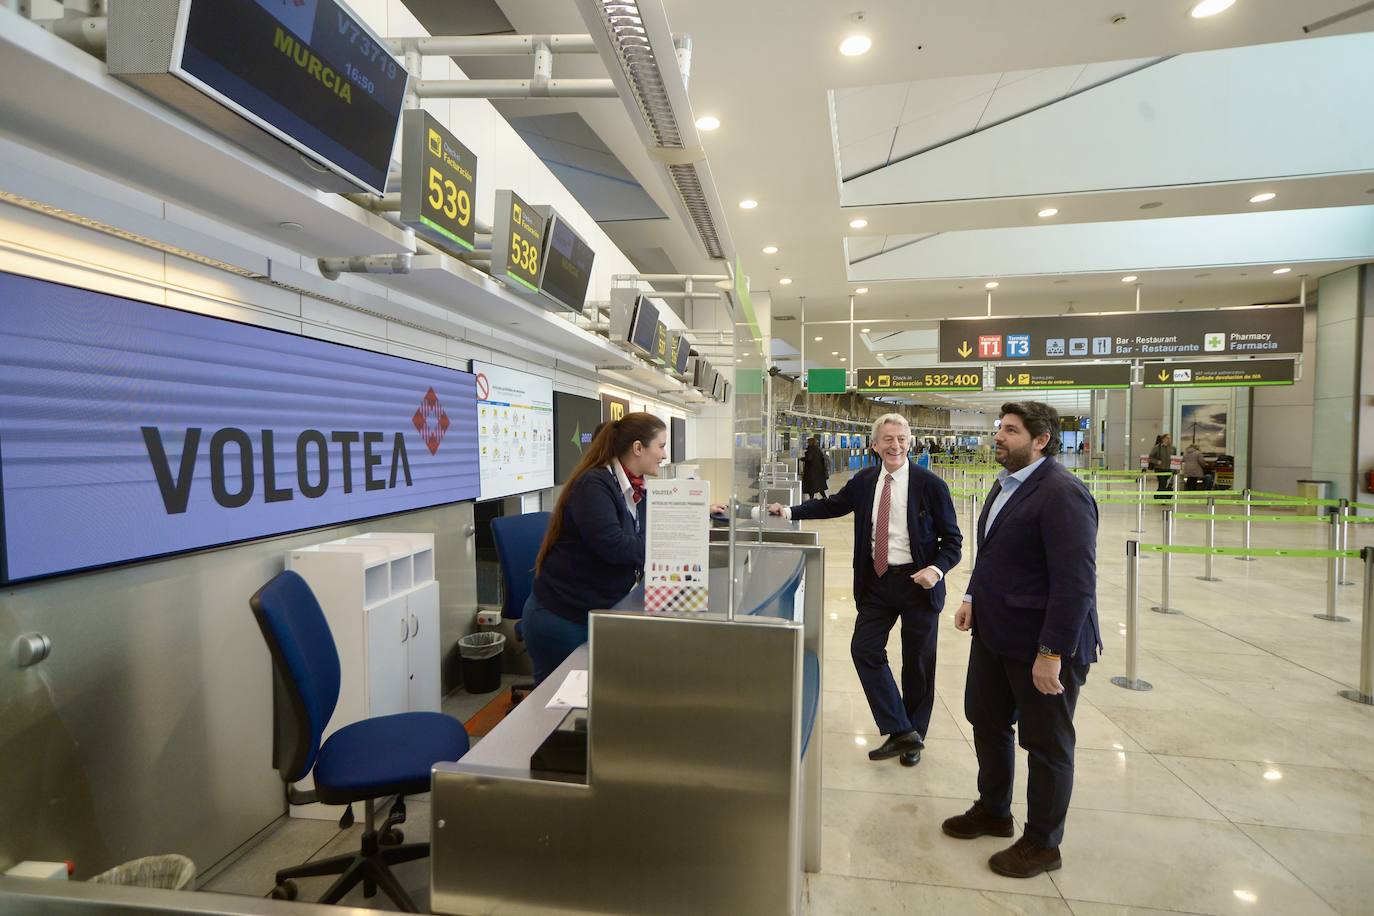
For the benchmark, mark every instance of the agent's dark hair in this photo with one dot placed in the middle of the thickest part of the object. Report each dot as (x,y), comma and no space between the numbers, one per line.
(611,441)
(1038,419)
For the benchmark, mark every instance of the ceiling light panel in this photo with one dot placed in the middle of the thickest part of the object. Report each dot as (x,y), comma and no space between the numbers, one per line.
(856,45)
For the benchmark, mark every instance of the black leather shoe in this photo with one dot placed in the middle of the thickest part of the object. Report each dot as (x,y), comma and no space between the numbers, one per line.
(976,822)
(1025,859)
(910,758)
(894,745)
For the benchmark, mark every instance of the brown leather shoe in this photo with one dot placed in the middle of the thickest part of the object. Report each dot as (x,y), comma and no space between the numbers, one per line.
(976,822)
(1025,859)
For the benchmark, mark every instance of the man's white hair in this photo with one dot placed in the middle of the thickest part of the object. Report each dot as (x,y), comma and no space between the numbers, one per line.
(886,419)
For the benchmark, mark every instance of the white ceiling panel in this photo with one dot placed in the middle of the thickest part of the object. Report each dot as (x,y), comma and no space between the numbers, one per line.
(859,113)
(926,97)
(865,246)
(1283,237)
(1014,97)
(1162,126)
(938,127)
(1092,74)
(863,155)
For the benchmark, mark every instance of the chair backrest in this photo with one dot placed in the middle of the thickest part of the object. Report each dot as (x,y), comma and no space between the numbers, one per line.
(305,663)
(518,538)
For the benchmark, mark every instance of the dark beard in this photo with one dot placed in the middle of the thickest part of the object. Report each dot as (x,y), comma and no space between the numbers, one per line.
(1015,461)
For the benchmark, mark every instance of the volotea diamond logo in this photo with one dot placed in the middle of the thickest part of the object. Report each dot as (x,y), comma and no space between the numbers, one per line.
(431,421)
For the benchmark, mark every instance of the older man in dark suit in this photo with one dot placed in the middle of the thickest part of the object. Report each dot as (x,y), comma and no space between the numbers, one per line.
(906,537)
(1032,605)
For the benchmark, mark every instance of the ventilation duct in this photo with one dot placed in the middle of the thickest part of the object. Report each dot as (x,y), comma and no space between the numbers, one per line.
(634,41)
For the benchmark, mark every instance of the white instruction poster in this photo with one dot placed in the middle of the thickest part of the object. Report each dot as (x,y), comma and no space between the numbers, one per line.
(514,430)
(677,548)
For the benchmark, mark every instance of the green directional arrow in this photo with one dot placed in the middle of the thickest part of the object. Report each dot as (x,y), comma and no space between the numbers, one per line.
(577,436)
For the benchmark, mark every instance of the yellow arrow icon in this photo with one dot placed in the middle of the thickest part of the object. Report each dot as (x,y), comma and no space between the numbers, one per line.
(868,380)
(1011,379)
(964,349)
(1163,375)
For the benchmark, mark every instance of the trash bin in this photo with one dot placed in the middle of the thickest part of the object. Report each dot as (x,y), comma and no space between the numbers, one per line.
(1314,489)
(481,661)
(167,872)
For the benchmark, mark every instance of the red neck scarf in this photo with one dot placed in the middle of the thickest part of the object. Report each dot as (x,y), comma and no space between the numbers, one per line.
(636,483)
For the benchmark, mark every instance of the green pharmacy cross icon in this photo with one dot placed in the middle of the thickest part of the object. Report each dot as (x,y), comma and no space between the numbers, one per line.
(1214,343)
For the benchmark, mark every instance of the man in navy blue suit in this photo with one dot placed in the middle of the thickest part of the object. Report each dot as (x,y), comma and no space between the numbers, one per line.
(1032,605)
(906,537)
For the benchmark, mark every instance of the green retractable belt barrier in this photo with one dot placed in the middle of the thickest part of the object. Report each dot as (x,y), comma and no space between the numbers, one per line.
(1291,519)
(1249,552)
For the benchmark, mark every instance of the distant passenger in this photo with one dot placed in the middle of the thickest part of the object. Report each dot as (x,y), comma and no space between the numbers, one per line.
(1032,605)
(906,538)
(1194,468)
(815,469)
(1160,462)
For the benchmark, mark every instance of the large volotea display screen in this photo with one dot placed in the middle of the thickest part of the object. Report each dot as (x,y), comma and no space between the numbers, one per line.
(308,71)
(130,431)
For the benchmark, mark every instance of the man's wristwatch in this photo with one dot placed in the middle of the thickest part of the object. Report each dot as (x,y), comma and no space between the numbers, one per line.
(1047,652)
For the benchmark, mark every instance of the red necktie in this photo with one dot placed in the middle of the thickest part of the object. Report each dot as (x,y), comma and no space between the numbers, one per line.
(880,532)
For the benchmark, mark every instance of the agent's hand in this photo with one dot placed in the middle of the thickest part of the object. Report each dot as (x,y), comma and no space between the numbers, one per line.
(719,509)
(963,618)
(1045,676)
(927,578)
(775,508)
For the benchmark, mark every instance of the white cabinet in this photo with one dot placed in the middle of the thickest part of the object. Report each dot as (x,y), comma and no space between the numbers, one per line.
(380,597)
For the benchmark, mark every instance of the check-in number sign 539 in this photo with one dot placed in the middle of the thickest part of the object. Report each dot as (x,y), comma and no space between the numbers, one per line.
(447,198)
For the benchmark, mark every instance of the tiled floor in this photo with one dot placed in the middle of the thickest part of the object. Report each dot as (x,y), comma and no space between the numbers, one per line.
(1240,784)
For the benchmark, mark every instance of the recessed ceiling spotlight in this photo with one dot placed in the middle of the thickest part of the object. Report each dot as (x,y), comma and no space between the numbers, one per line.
(818,339)
(834,352)
(861,290)
(844,359)
(708,122)
(1152,205)
(864,330)
(991,284)
(855,45)
(1211,7)
(1263,198)
(786,281)
(748,203)
(770,249)
(879,355)
(1129,278)
(858,223)
(1048,212)
(1284,270)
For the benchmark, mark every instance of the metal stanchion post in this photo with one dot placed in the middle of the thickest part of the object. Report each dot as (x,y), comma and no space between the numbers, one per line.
(1344,514)
(1333,541)
(1130,681)
(1246,542)
(1211,542)
(1140,506)
(1365,694)
(1166,566)
(972,526)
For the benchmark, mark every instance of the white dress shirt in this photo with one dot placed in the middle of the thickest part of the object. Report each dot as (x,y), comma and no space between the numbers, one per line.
(898,535)
(627,488)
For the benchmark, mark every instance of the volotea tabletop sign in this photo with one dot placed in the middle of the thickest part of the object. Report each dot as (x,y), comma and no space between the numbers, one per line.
(517,238)
(936,378)
(825,381)
(1251,331)
(439,181)
(677,549)
(1234,373)
(1067,377)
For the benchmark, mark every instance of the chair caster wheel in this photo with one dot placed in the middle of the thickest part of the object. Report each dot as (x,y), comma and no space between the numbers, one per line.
(287,890)
(393,837)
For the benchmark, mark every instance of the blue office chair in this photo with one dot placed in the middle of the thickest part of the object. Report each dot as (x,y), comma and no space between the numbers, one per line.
(518,538)
(364,761)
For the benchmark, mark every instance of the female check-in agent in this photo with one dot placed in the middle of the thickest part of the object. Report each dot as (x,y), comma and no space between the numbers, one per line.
(593,552)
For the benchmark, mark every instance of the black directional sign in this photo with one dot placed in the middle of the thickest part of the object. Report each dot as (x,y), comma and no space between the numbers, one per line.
(1064,377)
(1236,373)
(936,378)
(1252,331)
(439,181)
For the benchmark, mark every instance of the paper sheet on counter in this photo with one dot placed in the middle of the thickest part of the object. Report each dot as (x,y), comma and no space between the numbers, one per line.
(572,693)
